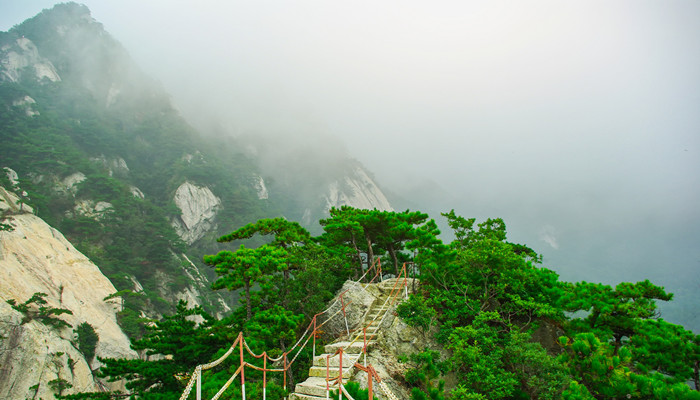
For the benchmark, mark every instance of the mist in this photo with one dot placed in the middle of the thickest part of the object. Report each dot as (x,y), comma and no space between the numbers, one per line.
(577,122)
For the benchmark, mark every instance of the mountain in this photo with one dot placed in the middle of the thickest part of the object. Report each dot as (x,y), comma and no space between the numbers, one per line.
(34,352)
(103,156)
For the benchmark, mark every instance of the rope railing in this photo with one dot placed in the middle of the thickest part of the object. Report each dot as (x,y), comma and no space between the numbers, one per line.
(392,298)
(311,332)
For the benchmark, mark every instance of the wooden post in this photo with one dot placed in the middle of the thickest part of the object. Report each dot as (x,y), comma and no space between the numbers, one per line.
(285,371)
(199,383)
(240,337)
(264,375)
(369,385)
(340,375)
(314,351)
(364,345)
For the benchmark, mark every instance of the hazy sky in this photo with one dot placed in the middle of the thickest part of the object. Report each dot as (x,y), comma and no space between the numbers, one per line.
(576,121)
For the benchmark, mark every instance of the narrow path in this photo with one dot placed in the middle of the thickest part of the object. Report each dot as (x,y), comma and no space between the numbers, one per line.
(328,363)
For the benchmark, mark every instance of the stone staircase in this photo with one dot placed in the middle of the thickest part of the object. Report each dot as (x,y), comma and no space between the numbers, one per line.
(315,386)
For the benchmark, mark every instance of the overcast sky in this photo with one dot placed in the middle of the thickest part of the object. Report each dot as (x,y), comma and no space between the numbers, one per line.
(576,121)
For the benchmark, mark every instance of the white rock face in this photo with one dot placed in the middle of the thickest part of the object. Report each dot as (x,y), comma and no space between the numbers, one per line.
(26,102)
(11,175)
(9,201)
(359,191)
(137,192)
(113,94)
(14,59)
(68,184)
(113,165)
(37,258)
(259,185)
(199,207)
(92,209)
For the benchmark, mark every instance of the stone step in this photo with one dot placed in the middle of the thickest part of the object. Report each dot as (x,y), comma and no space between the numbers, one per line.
(299,396)
(369,324)
(355,348)
(378,311)
(334,361)
(374,317)
(371,339)
(370,330)
(314,386)
(332,372)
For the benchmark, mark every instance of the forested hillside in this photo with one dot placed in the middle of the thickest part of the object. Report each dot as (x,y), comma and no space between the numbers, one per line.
(102,155)
(100,151)
(200,242)
(504,326)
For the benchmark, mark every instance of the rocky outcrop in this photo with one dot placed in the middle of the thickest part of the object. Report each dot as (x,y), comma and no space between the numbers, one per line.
(199,207)
(371,317)
(69,183)
(260,188)
(36,258)
(356,295)
(114,166)
(27,103)
(357,190)
(137,192)
(91,209)
(22,55)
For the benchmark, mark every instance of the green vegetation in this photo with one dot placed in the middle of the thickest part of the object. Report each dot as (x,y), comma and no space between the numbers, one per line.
(354,390)
(86,339)
(35,309)
(423,376)
(135,141)
(509,329)
(59,385)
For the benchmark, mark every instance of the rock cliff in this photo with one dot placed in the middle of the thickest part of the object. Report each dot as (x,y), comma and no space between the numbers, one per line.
(354,188)
(15,58)
(199,206)
(358,190)
(37,258)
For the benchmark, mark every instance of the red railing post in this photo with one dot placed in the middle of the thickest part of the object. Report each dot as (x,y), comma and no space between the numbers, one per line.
(314,351)
(369,385)
(240,337)
(285,371)
(364,344)
(340,375)
(264,375)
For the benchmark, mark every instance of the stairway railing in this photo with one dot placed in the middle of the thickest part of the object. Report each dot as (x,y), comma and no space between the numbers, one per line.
(311,332)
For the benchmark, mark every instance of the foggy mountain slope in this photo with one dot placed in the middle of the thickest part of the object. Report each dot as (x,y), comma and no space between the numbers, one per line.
(603,186)
(105,157)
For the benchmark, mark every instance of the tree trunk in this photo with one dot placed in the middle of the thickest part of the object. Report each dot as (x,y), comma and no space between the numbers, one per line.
(359,256)
(696,375)
(290,374)
(617,343)
(392,252)
(370,252)
(285,296)
(248,309)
